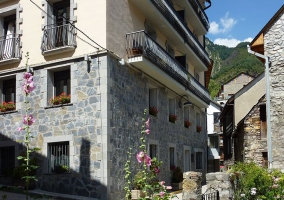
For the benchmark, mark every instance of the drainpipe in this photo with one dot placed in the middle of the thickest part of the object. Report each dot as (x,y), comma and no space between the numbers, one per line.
(268,116)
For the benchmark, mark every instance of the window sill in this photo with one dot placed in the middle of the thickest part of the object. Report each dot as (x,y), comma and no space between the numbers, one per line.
(51,174)
(8,112)
(57,106)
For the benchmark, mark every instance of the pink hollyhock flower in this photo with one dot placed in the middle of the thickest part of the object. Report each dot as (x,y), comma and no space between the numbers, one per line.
(157,170)
(20,129)
(162,182)
(148,131)
(147,160)
(162,194)
(169,187)
(28,87)
(148,123)
(140,156)
(29,120)
(28,76)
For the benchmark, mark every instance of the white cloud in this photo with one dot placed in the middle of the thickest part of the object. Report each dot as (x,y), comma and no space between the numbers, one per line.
(226,24)
(230,42)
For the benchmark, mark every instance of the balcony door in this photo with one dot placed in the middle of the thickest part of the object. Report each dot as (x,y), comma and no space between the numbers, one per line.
(8,40)
(62,17)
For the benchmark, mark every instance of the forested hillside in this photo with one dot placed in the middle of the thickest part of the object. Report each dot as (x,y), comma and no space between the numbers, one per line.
(229,62)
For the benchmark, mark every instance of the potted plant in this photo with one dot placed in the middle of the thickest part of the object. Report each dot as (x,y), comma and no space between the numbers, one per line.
(153,111)
(7,106)
(138,184)
(187,123)
(177,178)
(198,129)
(61,99)
(173,118)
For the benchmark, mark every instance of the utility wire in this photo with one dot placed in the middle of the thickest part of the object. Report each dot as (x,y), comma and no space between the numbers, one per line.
(48,15)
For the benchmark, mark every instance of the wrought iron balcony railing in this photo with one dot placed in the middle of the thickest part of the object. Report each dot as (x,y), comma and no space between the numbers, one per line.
(58,36)
(10,47)
(141,44)
(200,13)
(168,11)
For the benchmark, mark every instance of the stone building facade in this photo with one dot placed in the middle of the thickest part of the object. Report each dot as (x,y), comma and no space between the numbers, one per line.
(112,71)
(270,43)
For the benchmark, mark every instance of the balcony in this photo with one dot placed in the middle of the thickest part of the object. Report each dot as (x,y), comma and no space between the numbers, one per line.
(165,18)
(58,39)
(195,14)
(10,51)
(147,55)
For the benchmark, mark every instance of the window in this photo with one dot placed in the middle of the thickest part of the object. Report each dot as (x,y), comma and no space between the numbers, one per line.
(153,149)
(9,90)
(172,106)
(199,160)
(153,102)
(187,158)
(10,34)
(170,50)
(196,75)
(186,116)
(62,82)
(7,160)
(263,127)
(197,118)
(172,157)
(150,31)
(264,160)
(58,32)
(213,141)
(58,157)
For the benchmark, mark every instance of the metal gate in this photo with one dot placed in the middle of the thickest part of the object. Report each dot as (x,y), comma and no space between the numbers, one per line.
(210,194)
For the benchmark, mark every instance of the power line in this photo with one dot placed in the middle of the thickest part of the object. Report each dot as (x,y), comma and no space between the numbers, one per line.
(48,15)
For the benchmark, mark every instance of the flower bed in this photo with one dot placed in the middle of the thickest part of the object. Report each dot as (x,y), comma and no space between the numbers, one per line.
(7,106)
(61,99)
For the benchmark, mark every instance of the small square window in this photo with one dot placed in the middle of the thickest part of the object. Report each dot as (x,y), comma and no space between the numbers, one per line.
(58,157)
(62,82)
(9,90)
(153,150)
(7,160)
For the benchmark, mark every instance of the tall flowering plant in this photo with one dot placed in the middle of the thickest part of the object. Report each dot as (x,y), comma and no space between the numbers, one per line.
(28,120)
(149,182)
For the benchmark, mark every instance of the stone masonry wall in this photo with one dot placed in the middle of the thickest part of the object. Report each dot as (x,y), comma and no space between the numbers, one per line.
(129,93)
(80,121)
(274,48)
(253,144)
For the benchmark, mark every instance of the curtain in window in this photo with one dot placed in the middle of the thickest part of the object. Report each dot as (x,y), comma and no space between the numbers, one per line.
(9,41)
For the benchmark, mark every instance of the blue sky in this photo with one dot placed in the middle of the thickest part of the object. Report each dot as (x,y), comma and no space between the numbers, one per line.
(235,21)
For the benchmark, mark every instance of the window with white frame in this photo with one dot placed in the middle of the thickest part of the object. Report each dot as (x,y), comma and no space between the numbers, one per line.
(153,150)
(172,111)
(197,119)
(59,84)
(153,102)
(196,75)
(187,123)
(9,90)
(59,154)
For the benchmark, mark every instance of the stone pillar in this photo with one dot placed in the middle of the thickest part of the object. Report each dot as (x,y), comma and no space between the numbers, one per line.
(191,186)
(220,181)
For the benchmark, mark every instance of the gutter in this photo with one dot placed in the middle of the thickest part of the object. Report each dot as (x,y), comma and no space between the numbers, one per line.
(268,115)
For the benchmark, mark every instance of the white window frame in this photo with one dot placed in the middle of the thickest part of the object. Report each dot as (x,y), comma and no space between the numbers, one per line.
(61,138)
(186,112)
(153,142)
(172,106)
(153,97)
(198,150)
(5,78)
(187,148)
(149,28)
(171,145)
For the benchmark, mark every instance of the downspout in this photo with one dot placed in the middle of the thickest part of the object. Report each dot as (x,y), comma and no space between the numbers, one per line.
(268,117)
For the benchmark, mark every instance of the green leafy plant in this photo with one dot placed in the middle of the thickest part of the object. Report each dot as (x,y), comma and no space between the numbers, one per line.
(61,169)
(61,99)
(7,106)
(177,175)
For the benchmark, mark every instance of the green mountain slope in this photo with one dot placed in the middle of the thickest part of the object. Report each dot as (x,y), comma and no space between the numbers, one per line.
(229,62)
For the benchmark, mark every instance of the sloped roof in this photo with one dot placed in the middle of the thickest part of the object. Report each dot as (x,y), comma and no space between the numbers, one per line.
(257,44)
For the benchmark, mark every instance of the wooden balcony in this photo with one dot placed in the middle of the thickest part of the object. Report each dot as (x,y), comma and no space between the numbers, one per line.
(58,39)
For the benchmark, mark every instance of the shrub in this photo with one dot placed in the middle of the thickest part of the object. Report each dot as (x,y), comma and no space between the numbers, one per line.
(177,175)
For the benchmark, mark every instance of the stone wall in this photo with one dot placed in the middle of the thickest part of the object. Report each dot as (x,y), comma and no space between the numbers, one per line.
(192,188)
(274,48)
(220,181)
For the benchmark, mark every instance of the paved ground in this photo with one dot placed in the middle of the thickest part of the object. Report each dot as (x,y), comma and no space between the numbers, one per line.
(13,196)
